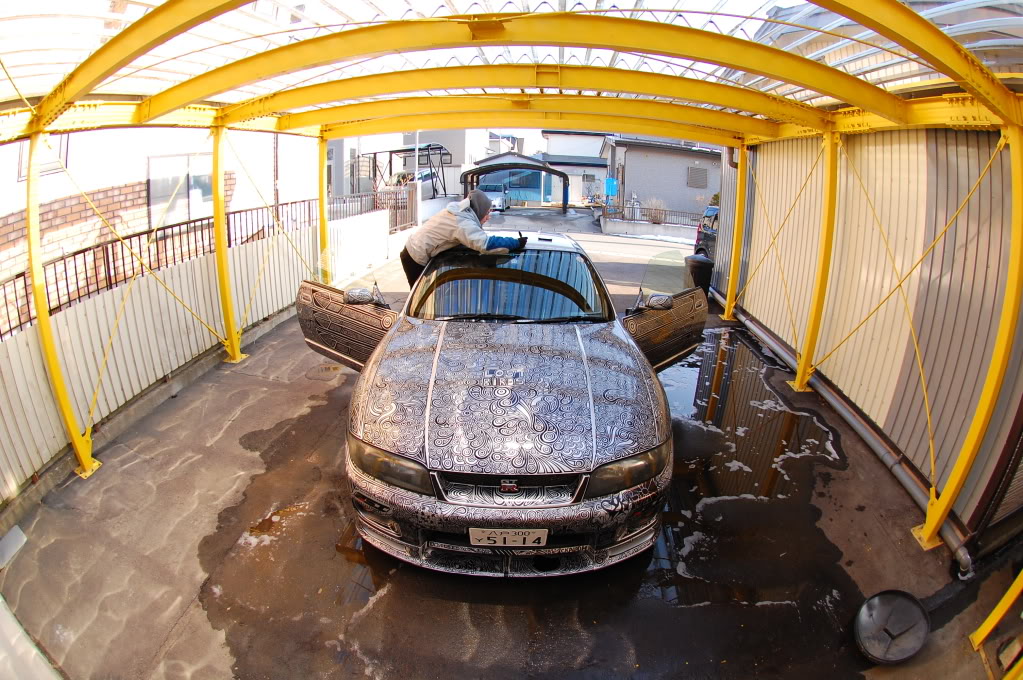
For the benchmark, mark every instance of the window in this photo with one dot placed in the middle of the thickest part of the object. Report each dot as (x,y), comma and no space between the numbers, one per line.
(589,178)
(534,285)
(524,179)
(180,188)
(52,153)
(697,177)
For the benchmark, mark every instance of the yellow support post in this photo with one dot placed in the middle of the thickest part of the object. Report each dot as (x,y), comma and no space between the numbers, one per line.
(738,232)
(939,507)
(978,636)
(829,203)
(324,233)
(81,442)
(232,333)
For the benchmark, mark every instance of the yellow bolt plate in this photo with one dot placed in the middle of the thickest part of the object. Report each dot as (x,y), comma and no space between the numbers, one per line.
(85,474)
(918,534)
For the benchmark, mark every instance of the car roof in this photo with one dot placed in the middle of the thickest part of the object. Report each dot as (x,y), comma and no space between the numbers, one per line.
(543,240)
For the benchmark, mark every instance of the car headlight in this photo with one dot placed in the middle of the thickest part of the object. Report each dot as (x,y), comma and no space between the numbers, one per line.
(628,472)
(389,468)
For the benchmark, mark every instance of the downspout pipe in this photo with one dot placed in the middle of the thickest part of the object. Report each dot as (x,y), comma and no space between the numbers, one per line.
(949,533)
(731,157)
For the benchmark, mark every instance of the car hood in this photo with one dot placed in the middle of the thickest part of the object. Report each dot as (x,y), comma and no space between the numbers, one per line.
(510,399)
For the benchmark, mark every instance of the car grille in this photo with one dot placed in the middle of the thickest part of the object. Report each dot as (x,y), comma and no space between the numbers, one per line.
(533,491)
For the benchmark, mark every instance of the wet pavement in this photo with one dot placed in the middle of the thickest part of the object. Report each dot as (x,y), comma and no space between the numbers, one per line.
(218,541)
(740,572)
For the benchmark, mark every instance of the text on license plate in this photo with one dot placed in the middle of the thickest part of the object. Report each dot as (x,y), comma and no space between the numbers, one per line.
(526,538)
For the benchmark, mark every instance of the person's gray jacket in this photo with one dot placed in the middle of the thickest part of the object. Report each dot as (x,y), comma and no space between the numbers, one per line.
(456,225)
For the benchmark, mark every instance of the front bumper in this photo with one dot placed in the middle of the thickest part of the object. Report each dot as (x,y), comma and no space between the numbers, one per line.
(582,536)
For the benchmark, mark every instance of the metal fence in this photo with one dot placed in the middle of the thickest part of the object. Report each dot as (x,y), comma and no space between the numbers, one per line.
(86,272)
(629,213)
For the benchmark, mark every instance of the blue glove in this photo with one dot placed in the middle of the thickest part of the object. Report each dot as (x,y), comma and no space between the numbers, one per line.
(495,242)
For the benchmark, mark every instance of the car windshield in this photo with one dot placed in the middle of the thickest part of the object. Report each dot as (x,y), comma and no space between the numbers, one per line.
(533,286)
(497,188)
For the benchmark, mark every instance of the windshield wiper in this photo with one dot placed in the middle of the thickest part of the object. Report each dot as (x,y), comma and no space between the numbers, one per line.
(480,317)
(563,319)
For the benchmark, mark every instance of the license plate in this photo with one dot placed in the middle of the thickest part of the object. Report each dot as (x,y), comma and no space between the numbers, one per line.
(521,538)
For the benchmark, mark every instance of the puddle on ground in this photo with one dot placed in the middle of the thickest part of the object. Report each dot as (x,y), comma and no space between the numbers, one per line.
(741,583)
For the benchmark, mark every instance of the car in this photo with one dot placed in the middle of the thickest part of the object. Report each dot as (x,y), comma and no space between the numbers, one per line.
(506,421)
(497,194)
(707,233)
(429,181)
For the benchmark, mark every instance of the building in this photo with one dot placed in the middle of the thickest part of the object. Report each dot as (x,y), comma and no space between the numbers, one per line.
(578,155)
(682,175)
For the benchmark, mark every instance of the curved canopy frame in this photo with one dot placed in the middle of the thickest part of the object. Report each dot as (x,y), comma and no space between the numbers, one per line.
(558,29)
(759,115)
(719,122)
(470,179)
(532,76)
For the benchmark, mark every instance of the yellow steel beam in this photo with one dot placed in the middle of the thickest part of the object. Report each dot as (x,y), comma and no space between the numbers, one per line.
(826,239)
(978,636)
(324,231)
(162,23)
(232,334)
(606,106)
(738,232)
(555,29)
(531,119)
(81,442)
(905,27)
(959,111)
(1005,336)
(551,76)
(96,115)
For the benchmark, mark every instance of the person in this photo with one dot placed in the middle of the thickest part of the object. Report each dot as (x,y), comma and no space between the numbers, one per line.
(460,223)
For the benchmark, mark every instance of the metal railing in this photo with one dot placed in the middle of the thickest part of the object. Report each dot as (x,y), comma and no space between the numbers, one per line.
(637,213)
(86,272)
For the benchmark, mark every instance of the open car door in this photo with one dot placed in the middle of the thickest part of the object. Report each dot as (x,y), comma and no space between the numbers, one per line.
(345,326)
(668,319)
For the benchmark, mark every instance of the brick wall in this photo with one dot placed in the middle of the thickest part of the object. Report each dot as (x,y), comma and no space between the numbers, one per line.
(69,224)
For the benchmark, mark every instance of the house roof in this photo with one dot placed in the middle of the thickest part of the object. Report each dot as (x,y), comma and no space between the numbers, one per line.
(683,147)
(489,160)
(585,161)
(572,132)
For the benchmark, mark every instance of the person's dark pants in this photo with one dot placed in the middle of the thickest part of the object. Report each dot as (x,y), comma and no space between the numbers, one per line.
(412,268)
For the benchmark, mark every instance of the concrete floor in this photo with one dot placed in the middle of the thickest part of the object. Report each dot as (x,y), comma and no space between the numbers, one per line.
(217,541)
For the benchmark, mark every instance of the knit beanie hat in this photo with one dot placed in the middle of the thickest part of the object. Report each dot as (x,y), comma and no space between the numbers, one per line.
(480,203)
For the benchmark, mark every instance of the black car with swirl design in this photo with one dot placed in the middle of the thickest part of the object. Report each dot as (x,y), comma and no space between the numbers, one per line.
(506,422)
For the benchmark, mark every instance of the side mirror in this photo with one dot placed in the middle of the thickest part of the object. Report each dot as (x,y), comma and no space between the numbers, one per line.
(359,296)
(656,301)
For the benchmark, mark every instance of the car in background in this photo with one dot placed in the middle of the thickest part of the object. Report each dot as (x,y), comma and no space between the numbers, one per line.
(497,194)
(429,182)
(507,422)
(707,233)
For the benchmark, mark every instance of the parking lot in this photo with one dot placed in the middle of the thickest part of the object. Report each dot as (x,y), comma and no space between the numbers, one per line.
(218,540)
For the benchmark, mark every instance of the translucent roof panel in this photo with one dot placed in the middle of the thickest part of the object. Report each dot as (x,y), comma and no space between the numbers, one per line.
(46,39)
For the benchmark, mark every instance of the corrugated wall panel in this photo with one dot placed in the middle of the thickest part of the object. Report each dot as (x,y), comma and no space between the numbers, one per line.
(893,169)
(30,430)
(781,170)
(958,311)
(726,217)
(959,299)
(998,435)
(726,221)
(155,336)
